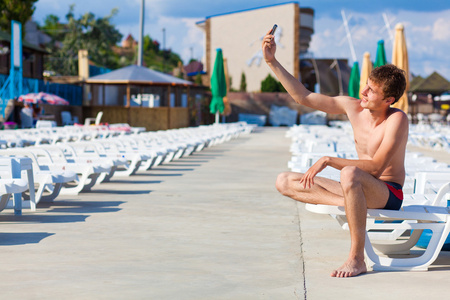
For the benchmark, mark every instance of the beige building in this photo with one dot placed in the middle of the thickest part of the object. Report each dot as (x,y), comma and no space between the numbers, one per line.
(239,35)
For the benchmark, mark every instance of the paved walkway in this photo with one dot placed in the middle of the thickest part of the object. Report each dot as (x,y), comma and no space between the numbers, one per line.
(209,226)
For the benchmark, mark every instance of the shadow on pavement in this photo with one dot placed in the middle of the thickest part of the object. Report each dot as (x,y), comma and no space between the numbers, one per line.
(98,191)
(88,207)
(170,169)
(131,180)
(22,238)
(37,218)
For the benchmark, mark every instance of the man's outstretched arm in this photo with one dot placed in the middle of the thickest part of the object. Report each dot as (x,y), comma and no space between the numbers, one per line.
(301,95)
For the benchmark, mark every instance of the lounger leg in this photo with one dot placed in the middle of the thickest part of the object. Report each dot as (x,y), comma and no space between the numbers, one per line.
(4,201)
(93,178)
(108,176)
(420,263)
(32,192)
(75,190)
(135,167)
(132,167)
(147,165)
(53,195)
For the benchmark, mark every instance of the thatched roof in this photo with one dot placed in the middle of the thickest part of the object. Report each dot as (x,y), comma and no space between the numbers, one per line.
(433,84)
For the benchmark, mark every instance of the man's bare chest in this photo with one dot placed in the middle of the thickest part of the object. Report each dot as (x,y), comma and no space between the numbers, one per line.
(368,140)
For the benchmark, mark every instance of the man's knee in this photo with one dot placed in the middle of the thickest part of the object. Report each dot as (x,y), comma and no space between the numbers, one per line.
(350,176)
(282,182)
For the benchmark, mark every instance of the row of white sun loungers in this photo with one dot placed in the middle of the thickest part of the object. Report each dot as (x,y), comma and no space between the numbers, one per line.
(431,136)
(427,190)
(70,160)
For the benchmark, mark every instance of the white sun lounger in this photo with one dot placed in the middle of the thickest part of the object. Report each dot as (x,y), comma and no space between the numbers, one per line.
(9,187)
(150,157)
(411,217)
(11,168)
(438,199)
(89,151)
(44,178)
(87,169)
(133,156)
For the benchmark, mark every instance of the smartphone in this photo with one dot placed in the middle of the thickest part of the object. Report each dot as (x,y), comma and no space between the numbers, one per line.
(272,32)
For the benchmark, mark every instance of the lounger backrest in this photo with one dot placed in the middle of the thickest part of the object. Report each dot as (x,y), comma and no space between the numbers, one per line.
(66,118)
(423,179)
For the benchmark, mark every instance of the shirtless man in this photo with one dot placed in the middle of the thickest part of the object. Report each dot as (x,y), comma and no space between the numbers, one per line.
(376,178)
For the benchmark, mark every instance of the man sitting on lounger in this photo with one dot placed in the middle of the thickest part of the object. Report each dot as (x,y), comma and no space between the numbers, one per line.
(374,180)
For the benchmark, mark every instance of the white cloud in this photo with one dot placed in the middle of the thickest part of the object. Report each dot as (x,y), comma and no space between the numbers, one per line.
(194,40)
(360,34)
(421,29)
(441,29)
(427,37)
(327,33)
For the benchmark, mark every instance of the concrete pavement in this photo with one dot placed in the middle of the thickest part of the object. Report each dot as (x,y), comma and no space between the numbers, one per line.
(209,226)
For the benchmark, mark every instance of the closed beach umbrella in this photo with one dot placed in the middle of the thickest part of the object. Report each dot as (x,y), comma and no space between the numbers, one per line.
(380,60)
(353,84)
(218,86)
(400,59)
(366,68)
(226,102)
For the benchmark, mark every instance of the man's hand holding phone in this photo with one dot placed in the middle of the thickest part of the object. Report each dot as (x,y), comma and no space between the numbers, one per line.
(268,45)
(274,28)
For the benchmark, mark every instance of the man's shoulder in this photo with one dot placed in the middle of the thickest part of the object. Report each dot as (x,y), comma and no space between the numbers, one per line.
(351,104)
(398,119)
(396,113)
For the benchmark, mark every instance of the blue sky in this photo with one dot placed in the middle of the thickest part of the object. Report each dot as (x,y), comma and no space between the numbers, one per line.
(427,25)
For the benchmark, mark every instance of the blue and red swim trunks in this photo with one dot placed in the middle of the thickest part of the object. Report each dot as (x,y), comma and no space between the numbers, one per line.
(395,199)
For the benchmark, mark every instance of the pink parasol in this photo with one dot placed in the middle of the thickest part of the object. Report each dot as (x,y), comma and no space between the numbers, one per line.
(52,99)
(30,98)
(42,98)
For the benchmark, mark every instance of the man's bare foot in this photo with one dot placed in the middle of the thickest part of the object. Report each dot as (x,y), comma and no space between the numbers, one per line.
(350,268)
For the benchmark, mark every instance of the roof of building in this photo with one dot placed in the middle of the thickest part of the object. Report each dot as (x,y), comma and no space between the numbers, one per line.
(134,74)
(4,36)
(194,68)
(435,84)
(34,36)
(129,37)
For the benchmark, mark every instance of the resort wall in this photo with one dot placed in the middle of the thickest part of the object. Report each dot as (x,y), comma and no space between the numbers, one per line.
(239,35)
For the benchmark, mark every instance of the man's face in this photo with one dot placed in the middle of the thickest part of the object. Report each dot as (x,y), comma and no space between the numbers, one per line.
(373,95)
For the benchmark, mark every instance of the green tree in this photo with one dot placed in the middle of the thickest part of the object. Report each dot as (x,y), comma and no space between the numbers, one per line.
(243,86)
(198,79)
(17,10)
(271,85)
(53,28)
(158,59)
(97,35)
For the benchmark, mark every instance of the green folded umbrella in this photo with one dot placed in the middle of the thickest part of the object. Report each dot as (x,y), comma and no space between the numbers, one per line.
(353,84)
(218,84)
(380,60)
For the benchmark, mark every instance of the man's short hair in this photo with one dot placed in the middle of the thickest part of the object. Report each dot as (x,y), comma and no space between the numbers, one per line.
(391,79)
